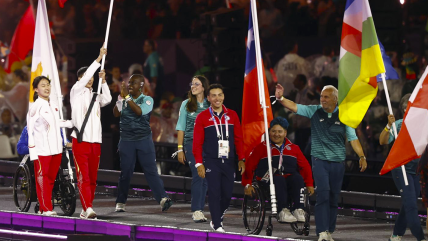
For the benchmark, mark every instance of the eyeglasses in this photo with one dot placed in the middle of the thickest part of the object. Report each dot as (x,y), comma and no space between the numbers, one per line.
(194,84)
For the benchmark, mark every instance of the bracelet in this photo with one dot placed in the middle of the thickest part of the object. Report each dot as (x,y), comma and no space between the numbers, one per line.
(363,157)
(388,127)
(280,99)
(180,146)
(128,98)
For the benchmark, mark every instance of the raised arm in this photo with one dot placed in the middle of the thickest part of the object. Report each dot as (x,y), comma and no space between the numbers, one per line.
(279,91)
(384,135)
(79,86)
(105,97)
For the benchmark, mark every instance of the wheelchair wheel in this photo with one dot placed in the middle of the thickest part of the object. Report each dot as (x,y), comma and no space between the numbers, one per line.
(254,211)
(68,198)
(22,188)
(303,228)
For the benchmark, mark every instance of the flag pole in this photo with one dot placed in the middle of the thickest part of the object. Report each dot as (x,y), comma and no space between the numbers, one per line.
(60,99)
(394,128)
(263,101)
(105,43)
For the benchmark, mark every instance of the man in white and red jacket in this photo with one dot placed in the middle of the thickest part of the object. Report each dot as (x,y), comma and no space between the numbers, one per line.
(216,137)
(87,153)
(290,168)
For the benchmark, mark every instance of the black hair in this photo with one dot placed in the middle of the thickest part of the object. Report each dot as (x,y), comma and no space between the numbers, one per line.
(215,86)
(36,82)
(138,77)
(21,74)
(81,71)
(192,105)
(152,44)
(302,78)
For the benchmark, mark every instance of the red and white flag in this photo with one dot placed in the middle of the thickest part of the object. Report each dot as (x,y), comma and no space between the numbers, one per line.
(413,136)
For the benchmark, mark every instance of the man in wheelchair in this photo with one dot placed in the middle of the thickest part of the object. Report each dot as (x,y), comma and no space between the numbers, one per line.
(290,168)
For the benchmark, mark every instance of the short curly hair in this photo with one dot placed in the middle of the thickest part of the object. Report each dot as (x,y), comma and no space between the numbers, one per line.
(279,121)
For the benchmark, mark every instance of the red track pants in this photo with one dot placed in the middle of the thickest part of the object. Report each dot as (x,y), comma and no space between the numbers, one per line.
(87,160)
(46,169)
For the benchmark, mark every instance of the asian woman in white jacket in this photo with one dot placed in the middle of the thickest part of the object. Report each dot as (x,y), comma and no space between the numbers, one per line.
(45,142)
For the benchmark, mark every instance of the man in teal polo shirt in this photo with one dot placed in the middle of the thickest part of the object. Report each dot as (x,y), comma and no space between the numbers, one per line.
(328,154)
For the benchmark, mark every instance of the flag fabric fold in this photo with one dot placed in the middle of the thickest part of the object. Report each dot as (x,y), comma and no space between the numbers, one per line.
(43,56)
(413,136)
(360,62)
(22,40)
(252,113)
(390,71)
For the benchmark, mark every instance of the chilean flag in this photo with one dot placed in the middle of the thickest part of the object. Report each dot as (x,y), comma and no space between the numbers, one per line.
(413,136)
(252,112)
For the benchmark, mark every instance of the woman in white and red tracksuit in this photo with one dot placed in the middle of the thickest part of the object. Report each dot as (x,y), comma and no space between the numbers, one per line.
(219,171)
(289,177)
(45,142)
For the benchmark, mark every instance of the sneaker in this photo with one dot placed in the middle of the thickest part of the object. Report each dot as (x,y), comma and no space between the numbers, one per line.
(50,213)
(329,236)
(83,214)
(324,236)
(165,203)
(219,229)
(120,207)
(285,216)
(90,214)
(198,217)
(299,214)
(395,238)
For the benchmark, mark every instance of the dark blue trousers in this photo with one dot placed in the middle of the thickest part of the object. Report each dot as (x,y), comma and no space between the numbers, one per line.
(144,150)
(287,189)
(408,216)
(199,185)
(220,176)
(328,178)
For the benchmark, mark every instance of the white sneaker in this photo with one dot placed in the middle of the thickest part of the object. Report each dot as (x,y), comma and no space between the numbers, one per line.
(90,214)
(165,203)
(299,214)
(285,216)
(395,238)
(120,207)
(198,217)
(83,214)
(50,213)
(324,236)
(219,229)
(329,236)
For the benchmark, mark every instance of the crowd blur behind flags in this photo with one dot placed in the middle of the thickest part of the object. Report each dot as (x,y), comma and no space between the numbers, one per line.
(413,136)
(43,56)
(360,62)
(252,112)
(22,41)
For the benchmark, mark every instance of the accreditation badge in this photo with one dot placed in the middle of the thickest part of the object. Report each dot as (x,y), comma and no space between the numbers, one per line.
(223,149)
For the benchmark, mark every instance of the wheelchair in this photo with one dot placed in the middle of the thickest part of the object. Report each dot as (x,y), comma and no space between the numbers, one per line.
(24,188)
(254,211)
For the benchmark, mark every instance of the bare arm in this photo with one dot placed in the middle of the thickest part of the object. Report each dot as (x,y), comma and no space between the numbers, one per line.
(384,135)
(356,145)
(279,91)
(180,141)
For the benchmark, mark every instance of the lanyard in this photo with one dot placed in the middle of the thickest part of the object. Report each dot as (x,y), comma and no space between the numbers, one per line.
(220,136)
(281,149)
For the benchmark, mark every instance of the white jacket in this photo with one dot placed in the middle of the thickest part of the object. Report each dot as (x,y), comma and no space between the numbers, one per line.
(80,99)
(43,125)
